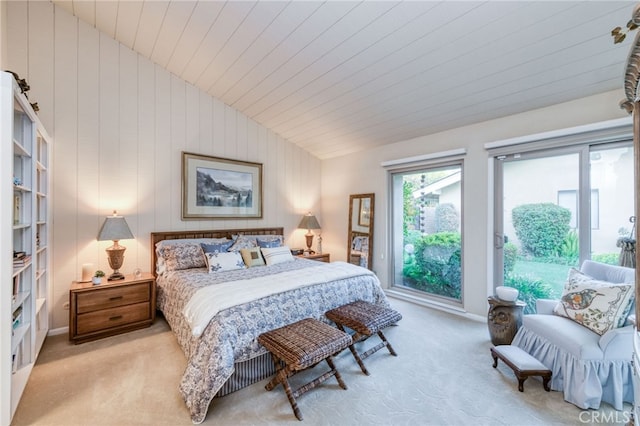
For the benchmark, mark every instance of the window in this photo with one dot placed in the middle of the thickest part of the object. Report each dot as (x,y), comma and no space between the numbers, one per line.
(427,238)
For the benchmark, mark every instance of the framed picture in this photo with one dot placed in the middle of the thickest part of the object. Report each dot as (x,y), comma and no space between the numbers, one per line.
(364,219)
(220,188)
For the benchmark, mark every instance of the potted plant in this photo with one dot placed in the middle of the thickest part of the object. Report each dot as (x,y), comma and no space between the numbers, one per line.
(97,277)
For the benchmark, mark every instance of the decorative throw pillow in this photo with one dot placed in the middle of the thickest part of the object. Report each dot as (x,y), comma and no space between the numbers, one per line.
(161,267)
(243,242)
(182,256)
(216,247)
(268,243)
(221,262)
(277,255)
(598,305)
(252,257)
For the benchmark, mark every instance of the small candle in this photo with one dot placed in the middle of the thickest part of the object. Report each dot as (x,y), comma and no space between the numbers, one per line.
(87,272)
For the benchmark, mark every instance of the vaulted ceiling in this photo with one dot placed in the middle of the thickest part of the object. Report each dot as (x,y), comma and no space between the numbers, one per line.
(339,77)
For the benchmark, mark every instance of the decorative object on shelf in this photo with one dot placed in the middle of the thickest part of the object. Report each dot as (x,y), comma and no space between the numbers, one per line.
(16,209)
(309,222)
(17,181)
(115,228)
(87,272)
(137,272)
(97,277)
(220,188)
(22,83)
(508,294)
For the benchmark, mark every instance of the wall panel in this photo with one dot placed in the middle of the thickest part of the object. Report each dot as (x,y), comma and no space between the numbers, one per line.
(119,124)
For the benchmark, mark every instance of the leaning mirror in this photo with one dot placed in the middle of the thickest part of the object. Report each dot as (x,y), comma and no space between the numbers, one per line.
(360,239)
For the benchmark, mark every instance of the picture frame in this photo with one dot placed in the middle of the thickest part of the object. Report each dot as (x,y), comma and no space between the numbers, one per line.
(364,217)
(220,188)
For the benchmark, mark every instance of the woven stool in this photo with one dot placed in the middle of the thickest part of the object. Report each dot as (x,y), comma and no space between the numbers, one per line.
(366,319)
(301,345)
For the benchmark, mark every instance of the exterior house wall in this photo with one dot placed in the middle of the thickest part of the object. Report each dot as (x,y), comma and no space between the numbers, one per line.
(119,124)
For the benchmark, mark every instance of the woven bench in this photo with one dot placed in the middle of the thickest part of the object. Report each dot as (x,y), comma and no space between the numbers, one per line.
(522,364)
(366,319)
(301,345)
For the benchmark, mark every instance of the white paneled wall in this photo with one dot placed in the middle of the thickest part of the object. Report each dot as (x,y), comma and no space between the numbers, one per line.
(119,124)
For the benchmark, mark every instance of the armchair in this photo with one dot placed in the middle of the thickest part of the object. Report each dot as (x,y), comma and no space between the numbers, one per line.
(587,367)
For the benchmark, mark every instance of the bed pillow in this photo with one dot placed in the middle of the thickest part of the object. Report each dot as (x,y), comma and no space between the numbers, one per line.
(216,247)
(221,262)
(243,242)
(252,257)
(598,305)
(161,267)
(181,256)
(277,255)
(268,243)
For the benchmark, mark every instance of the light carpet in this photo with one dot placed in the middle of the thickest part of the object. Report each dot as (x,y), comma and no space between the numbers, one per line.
(442,376)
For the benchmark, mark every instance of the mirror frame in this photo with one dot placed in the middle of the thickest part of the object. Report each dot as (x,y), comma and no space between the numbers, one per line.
(351,231)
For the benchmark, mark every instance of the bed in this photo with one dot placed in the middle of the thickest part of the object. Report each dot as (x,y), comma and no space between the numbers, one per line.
(217,317)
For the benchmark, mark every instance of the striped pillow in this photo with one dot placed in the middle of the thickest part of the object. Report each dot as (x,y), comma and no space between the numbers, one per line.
(277,255)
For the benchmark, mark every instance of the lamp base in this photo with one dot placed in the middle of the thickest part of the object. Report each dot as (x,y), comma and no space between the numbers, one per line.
(115,276)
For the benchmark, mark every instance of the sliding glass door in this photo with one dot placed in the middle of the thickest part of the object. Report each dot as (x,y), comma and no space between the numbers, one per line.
(427,238)
(556,208)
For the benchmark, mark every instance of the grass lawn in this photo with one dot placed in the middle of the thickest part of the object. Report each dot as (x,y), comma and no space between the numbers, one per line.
(554,275)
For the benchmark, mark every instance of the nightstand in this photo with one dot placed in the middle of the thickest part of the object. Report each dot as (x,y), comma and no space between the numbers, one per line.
(324,257)
(113,307)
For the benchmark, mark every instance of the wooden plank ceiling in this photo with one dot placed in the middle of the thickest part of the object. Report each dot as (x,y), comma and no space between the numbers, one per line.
(339,77)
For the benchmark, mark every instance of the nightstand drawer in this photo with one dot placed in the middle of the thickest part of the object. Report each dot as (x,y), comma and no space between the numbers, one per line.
(102,320)
(112,297)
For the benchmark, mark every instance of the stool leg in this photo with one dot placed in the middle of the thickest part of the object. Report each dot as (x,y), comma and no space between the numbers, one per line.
(545,382)
(352,348)
(274,381)
(329,360)
(282,378)
(387,344)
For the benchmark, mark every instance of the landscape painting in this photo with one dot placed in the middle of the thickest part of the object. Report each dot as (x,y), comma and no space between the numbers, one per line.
(220,188)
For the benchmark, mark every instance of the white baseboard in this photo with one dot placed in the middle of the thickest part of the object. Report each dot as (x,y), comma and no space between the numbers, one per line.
(58,331)
(456,310)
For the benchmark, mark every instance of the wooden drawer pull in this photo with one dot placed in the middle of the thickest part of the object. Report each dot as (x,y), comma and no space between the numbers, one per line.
(115,298)
(115,317)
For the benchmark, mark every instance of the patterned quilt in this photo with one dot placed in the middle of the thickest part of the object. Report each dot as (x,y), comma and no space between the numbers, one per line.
(231,335)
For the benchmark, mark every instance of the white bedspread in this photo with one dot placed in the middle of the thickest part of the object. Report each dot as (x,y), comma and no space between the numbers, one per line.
(208,301)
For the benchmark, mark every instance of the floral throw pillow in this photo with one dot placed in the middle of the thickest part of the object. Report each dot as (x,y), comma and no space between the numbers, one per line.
(182,256)
(221,262)
(598,305)
(243,242)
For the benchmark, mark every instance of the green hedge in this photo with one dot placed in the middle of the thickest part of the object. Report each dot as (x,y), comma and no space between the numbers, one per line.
(541,228)
(435,266)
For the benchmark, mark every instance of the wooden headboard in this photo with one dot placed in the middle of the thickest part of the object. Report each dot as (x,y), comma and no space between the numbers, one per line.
(220,233)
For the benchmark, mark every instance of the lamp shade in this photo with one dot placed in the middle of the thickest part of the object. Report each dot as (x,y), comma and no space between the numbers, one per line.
(309,221)
(114,228)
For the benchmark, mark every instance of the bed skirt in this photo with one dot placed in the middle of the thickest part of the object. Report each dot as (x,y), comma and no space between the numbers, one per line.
(585,383)
(247,373)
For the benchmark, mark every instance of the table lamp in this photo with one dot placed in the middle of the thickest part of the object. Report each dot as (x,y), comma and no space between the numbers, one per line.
(115,228)
(309,222)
